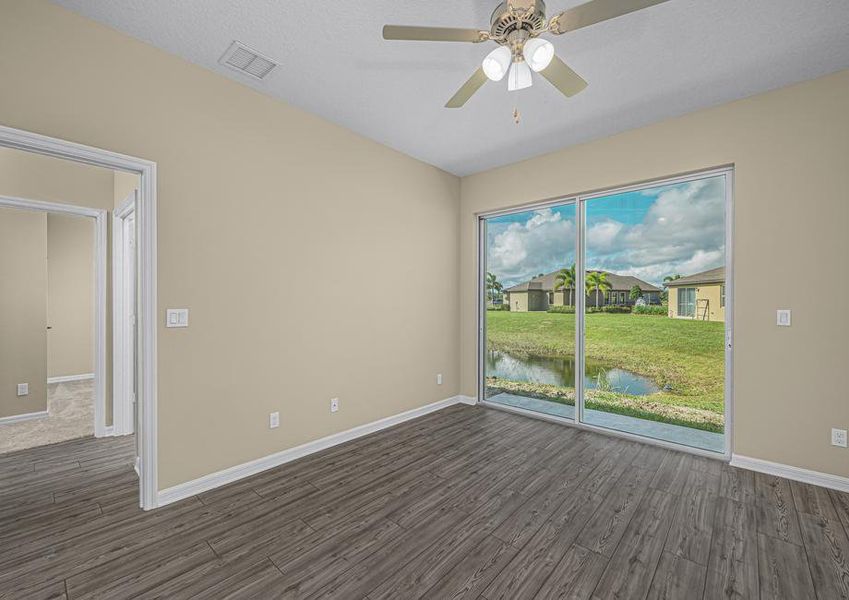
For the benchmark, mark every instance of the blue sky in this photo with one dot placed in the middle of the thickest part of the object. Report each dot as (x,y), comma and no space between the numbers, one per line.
(649,233)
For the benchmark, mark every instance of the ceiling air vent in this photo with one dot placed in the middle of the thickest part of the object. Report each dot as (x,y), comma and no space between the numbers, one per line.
(247,61)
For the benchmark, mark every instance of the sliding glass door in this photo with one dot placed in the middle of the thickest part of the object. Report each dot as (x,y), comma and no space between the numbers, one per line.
(611,309)
(529,288)
(659,356)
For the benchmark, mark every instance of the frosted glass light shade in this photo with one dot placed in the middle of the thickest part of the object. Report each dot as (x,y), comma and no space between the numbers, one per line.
(538,53)
(496,63)
(519,77)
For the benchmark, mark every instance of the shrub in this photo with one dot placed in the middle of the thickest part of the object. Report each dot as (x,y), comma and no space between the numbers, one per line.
(570,310)
(650,310)
(498,307)
(619,310)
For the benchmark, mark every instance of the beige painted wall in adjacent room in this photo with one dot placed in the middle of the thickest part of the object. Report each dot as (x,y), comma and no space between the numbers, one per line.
(123,185)
(23,311)
(70,295)
(790,149)
(257,201)
(47,179)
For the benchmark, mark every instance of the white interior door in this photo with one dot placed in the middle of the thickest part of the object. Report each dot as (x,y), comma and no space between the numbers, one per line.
(130,320)
(125,305)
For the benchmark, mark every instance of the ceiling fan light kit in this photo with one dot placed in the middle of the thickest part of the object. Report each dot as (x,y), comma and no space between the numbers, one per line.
(538,53)
(516,26)
(496,64)
(519,77)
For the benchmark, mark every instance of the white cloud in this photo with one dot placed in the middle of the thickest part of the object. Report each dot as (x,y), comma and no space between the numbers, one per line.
(603,236)
(683,231)
(543,243)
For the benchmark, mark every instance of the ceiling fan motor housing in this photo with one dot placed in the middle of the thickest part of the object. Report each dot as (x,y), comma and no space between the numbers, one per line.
(517,15)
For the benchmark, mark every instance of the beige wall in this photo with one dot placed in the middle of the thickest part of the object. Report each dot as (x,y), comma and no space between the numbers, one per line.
(528,301)
(23,310)
(255,198)
(518,301)
(711,292)
(37,177)
(123,185)
(70,295)
(790,149)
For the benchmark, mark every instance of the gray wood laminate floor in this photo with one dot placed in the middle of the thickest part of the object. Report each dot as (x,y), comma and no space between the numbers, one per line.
(464,503)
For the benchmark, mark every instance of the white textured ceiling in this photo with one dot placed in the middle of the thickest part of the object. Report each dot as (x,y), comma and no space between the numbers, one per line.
(667,60)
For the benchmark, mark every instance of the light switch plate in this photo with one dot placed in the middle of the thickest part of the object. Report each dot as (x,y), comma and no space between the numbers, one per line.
(274,420)
(176,317)
(334,405)
(783,317)
(23,389)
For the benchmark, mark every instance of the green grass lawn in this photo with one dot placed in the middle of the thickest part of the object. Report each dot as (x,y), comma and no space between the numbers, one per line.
(685,358)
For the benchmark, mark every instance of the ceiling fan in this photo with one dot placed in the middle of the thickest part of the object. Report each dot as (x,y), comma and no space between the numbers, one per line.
(516,26)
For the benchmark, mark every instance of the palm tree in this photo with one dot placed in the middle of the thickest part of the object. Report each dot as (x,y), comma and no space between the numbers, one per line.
(493,287)
(565,280)
(597,280)
(669,278)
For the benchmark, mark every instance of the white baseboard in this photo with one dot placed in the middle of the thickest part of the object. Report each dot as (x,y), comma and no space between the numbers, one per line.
(470,400)
(235,473)
(834,482)
(24,417)
(103,431)
(66,378)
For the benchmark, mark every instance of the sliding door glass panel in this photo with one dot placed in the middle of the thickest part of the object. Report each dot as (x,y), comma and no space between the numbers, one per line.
(529,289)
(655,311)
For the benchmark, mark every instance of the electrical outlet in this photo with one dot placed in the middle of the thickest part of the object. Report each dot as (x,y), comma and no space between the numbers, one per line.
(439,379)
(274,420)
(783,317)
(334,405)
(23,389)
(838,437)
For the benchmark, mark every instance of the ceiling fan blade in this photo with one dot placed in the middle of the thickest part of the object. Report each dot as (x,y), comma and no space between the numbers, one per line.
(433,34)
(462,96)
(595,11)
(563,78)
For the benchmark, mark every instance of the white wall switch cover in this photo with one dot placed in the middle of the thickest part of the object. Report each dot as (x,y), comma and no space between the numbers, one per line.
(439,378)
(838,437)
(23,389)
(783,317)
(334,404)
(177,317)
(274,420)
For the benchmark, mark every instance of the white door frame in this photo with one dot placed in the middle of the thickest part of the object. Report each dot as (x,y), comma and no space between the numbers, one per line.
(147,309)
(99,215)
(579,200)
(123,356)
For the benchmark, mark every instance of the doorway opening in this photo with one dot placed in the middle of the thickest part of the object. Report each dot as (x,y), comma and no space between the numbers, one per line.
(53,318)
(114,412)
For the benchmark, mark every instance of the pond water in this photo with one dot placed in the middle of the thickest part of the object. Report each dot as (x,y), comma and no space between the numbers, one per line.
(561,372)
